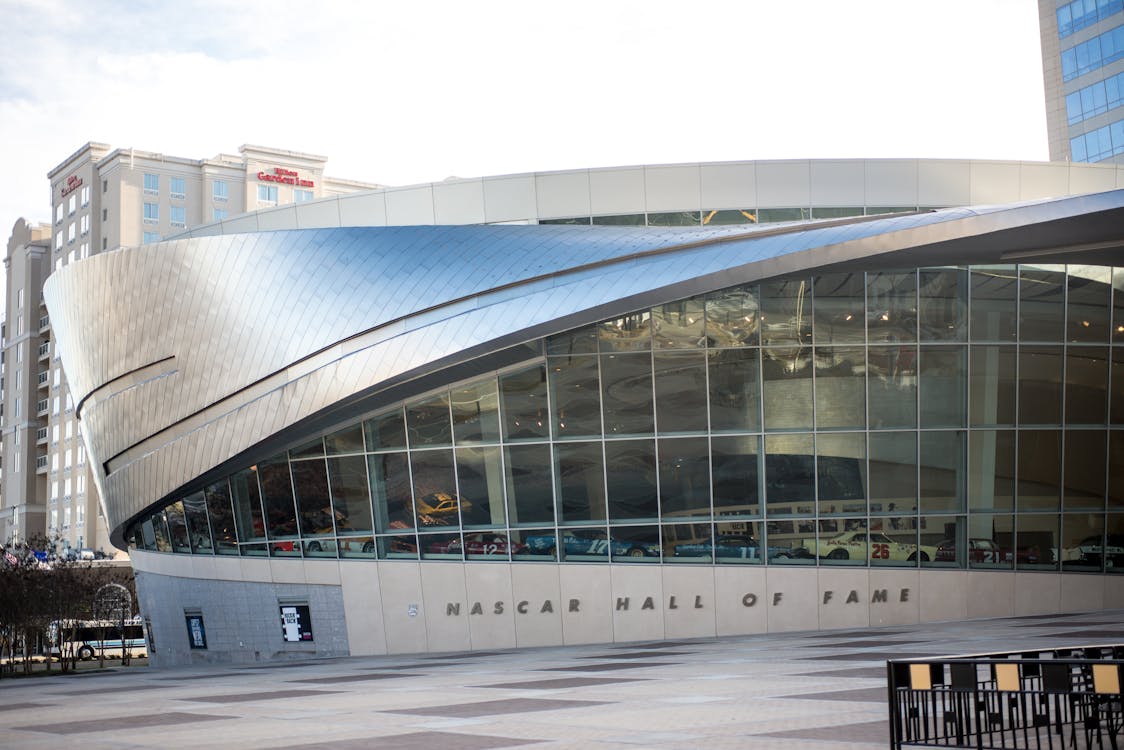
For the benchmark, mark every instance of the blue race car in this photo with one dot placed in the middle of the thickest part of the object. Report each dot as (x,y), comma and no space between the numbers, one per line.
(591,542)
(728,545)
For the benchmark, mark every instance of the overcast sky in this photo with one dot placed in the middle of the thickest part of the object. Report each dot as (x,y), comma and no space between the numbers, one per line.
(405,92)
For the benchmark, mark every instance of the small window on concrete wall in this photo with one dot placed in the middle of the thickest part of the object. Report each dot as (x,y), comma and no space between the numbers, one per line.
(196,632)
(296,623)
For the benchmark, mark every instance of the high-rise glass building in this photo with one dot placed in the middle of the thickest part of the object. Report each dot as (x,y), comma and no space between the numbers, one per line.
(1083,70)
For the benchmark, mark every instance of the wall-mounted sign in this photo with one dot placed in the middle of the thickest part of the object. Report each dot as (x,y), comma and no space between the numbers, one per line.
(196,633)
(296,623)
(284,176)
(72,183)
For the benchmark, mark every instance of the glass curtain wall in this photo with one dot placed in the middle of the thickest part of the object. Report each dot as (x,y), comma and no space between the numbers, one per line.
(939,417)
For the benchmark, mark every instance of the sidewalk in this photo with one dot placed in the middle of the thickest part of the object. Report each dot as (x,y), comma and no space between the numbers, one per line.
(814,691)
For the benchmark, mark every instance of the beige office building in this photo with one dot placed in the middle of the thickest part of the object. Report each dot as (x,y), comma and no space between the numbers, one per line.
(103,198)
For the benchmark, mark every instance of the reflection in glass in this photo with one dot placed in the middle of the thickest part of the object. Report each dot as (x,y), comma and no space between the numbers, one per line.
(222,518)
(311,448)
(580,477)
(626,394)
(277,498)
(991,480)
(628,333)
(398,547)
(386,431)
(787,397)
(840,387)
(1086,385)
(160,533)
(1083,541)
(735,384)
(1089,304)
(445,546)
(790,475)
(991,541)
(534,544)
(1086,452)
(893,472)
(1039,477)
(786,313)
(635,544)
(679,325)
(314,505)
(841,473)
(1117,305)
(991,385)
(1041,303)
(347,440)
(941,388)
(684,468)
(428,421)
(942,313)
(435,489)
(892,386)
(177,527)
(681,394)
(1036,538)
(476,413)
(891,313)
(674,219)
(481,481)
(358,546)
(839,308)
(729,216)
(579,341)
(994,314)
(630,468)
(943,471)
(198,530)
(530,499)
(576,396)
(688,543)
(351,496)
(947,535)
(523,395)
(734,473)
(1115,469)
(732,317)
(247,505)
(771,215)
(390,491)
(1040,384)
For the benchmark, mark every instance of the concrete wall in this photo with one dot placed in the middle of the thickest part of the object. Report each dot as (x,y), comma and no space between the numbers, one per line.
(396,607)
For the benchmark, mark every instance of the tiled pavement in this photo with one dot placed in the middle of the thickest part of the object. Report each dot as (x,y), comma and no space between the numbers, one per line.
(820,691)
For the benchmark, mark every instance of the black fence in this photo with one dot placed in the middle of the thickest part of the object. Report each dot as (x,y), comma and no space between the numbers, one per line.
(1061,698)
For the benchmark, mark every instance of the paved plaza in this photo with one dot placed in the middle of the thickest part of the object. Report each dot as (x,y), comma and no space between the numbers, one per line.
(799,690)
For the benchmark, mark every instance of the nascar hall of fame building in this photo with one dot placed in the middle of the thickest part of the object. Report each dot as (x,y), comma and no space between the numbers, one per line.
(662,402)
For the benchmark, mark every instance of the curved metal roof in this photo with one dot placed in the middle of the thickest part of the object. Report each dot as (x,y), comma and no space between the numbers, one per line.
(183,354)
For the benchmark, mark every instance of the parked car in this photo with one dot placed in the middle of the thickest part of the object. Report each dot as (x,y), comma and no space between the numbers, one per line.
(439,509)
(862,545)
(730,545)
(478,543)
(592,542)
(979,551)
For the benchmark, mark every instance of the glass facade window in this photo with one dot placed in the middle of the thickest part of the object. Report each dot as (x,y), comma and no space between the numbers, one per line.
(967,421)
(1076,15)
(1093,54)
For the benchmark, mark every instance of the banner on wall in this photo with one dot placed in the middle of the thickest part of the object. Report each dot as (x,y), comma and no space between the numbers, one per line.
(296,623)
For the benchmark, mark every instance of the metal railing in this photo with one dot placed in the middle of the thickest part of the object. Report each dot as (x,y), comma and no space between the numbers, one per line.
(1060,698)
